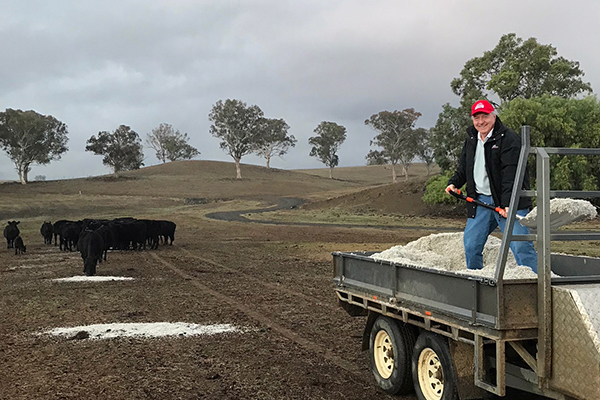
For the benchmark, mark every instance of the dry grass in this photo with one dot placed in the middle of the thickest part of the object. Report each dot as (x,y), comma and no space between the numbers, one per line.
(348,217)
(372,174)
(192,179)
(187,190)
(172,187)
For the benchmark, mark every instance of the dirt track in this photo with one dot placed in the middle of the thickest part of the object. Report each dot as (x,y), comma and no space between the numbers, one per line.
(275,281)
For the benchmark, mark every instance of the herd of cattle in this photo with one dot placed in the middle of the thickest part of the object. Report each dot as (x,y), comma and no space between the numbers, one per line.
(94,237)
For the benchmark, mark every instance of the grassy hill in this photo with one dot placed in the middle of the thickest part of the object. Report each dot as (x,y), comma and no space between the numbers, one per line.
(166,189)
(184,179)
(185,191)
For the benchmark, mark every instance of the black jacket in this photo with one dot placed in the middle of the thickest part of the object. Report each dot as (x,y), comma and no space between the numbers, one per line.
(501,158)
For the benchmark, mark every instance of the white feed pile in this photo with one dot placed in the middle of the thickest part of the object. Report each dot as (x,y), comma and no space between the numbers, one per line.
(445,251)
(83,278)
(143,330)
(562,211)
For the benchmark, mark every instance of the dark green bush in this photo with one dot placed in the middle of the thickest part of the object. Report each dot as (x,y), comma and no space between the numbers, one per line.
(435,190)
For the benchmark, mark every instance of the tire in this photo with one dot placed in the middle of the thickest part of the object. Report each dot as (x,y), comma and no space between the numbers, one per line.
(433,372)
(390,348)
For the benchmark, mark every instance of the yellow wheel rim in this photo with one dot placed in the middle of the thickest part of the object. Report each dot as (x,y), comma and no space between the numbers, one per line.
(383,354)
(431,375)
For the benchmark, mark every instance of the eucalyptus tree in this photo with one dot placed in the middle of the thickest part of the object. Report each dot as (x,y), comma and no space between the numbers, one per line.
(514,69)
(397,138)
(518,68)
(325,145)
(448,136)
(423,138)
(122,149)
(238,126)
(560,122)
(274,141)
(170,144)
(30,138)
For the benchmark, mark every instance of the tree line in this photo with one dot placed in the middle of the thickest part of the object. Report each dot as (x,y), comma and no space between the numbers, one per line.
(528,83)
(30,138)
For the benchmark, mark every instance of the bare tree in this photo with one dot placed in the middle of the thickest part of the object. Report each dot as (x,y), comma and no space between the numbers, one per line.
(170,145)
(274,140)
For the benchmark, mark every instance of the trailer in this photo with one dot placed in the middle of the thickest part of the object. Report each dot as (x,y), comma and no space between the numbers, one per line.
(449,335)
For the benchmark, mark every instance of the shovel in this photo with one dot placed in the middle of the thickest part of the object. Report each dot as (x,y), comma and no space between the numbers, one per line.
(461,196)
(568,211)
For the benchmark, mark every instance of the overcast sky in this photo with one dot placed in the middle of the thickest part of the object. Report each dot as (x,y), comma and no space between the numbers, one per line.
(95,65)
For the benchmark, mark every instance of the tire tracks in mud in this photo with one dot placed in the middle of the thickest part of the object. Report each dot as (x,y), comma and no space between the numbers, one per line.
(307,344)
(293,202)
(280,288)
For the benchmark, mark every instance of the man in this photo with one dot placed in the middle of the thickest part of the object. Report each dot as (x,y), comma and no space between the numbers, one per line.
(488,165)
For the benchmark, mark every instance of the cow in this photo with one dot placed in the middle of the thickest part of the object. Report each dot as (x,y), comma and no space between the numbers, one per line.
(129,233)
(69,235)
(135,234)
(47,231)
(152,232)
(108,237)
(91,246)
(11,231)
(93,224)
(57,227)
(20,247)
(167,231)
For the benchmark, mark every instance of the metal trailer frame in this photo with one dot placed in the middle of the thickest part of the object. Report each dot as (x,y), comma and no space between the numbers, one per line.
(485,313)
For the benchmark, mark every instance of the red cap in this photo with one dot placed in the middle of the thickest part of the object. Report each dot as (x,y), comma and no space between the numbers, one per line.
(483,106)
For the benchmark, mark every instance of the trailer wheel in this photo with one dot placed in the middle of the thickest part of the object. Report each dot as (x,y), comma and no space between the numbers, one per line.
(390,348)
(432,369)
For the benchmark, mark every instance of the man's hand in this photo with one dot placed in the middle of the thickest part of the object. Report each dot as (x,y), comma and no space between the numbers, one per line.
(504,212)
(450,188)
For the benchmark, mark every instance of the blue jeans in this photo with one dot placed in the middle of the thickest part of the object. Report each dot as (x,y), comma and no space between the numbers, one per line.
(485,222)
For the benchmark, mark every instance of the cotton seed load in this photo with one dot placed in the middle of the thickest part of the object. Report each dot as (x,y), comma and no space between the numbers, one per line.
(445,251)
(562,212)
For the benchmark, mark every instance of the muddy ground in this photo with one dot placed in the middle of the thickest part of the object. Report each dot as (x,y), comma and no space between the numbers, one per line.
(272,280)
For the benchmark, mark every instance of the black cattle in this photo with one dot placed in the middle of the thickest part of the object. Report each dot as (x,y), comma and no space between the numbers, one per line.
(152,232)
(108,237)
(118,240)
(122,233)
(20,247)
(167,231)
(57,227)
(47,230)
(134,235)
(11,231)
(93,224)
(91,246)
(69,235)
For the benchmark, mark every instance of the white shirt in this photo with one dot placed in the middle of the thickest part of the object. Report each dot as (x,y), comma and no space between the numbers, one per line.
(482,182)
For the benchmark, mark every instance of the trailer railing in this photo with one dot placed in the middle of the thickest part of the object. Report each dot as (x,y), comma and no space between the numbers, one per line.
(543,236)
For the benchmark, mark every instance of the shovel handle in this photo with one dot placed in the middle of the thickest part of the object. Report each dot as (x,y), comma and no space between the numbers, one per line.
(461,196)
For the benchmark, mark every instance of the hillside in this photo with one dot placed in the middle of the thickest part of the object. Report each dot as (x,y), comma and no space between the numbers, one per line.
(192,179)
(402,198)
(365,188)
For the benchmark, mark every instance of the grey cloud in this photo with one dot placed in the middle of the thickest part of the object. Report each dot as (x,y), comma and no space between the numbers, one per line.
(96,65)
